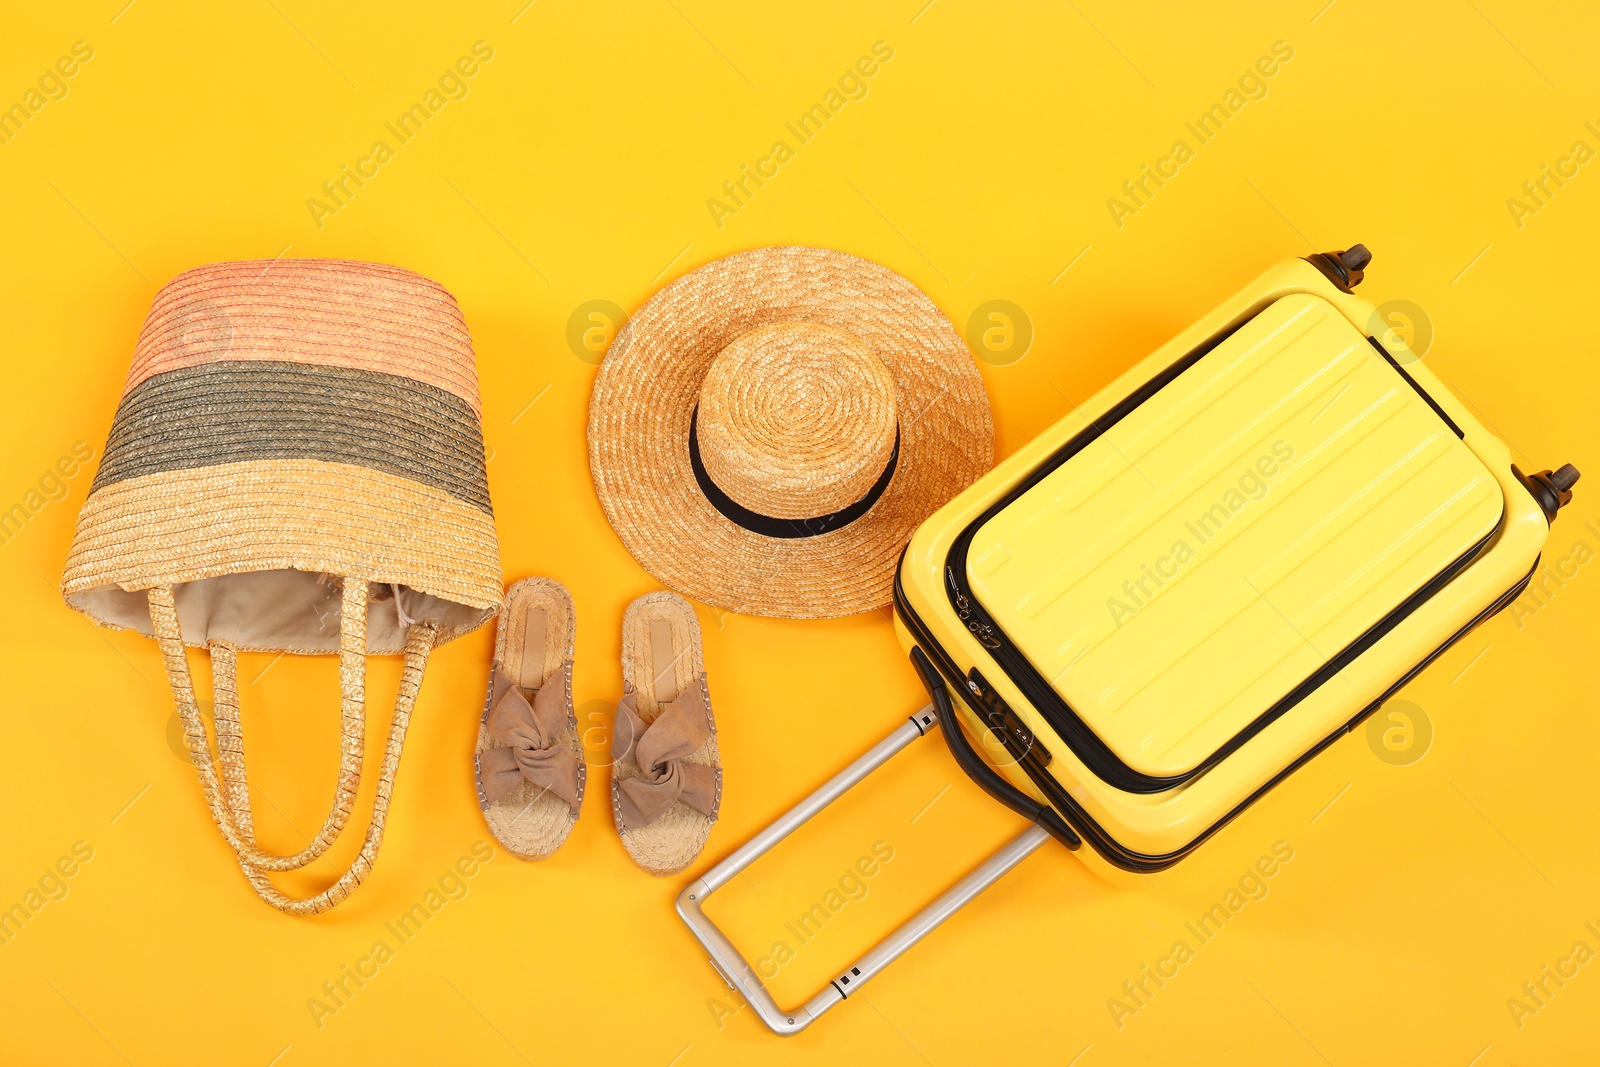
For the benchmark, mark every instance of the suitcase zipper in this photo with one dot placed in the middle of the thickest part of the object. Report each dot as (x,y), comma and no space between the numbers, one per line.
(985,633)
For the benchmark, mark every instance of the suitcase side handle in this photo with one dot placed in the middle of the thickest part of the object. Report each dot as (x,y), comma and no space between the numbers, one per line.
(737,971)
(977,768)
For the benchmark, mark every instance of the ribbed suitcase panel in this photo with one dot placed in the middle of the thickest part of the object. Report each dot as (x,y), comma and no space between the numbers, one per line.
(1188,568)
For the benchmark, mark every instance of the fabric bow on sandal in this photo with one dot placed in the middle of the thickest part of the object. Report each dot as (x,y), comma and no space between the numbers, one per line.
(529,761)
(666,774)
(529,733)
(659,748)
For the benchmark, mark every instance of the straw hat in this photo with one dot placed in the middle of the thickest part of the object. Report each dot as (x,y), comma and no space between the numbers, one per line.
(768,430)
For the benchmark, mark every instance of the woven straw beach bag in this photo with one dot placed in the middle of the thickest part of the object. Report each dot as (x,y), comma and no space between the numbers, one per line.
(296,465)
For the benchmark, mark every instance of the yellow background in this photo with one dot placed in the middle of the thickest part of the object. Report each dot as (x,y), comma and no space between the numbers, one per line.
(1419,898)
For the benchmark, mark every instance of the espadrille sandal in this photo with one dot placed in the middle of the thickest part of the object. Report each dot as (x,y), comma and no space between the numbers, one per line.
(666,785)
(529,763)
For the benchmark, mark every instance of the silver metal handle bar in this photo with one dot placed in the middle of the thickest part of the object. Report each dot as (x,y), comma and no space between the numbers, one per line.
(736,970)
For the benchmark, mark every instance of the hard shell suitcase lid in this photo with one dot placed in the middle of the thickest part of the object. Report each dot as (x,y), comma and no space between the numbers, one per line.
(1216,548)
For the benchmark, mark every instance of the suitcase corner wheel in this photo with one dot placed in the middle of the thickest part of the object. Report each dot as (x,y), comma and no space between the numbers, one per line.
(1142,607)
(1551,490)
(1345,268)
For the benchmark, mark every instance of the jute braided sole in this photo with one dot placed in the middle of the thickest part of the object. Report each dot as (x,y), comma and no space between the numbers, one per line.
(652,624)
(536,635)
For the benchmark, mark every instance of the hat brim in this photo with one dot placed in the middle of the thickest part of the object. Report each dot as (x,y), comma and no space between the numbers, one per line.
(649,384)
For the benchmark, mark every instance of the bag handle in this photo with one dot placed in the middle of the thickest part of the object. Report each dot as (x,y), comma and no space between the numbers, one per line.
(420,640)
(229,800)
(230,806)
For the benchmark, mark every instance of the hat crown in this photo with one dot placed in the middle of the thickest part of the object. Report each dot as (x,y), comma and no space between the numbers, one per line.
(796,419)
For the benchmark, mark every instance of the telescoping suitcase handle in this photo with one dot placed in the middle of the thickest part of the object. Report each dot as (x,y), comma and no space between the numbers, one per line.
(736,970)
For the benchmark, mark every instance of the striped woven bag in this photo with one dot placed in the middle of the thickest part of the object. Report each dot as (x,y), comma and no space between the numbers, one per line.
(296,465)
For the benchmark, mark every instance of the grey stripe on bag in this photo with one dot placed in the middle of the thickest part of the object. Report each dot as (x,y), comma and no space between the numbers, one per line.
(230,412)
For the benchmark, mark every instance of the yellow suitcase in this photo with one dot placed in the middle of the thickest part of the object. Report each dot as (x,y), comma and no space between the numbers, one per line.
(1181,592)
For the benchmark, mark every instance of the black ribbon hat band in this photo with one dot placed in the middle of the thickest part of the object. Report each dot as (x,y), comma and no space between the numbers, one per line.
(769,526)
